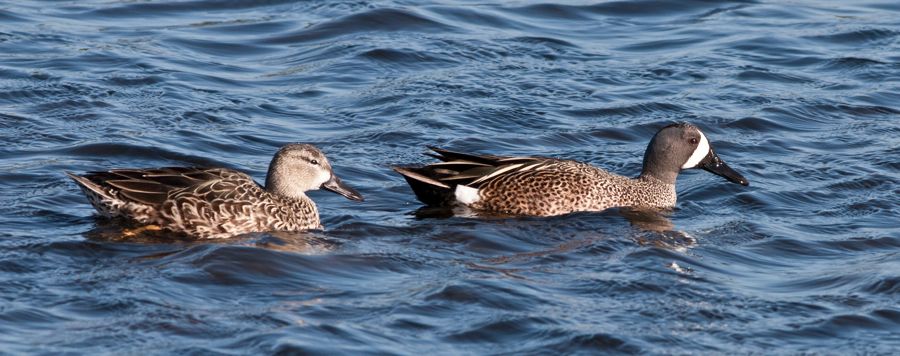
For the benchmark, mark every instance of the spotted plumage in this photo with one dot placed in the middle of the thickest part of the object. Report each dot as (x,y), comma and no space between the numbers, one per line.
(547,186)
(217,202)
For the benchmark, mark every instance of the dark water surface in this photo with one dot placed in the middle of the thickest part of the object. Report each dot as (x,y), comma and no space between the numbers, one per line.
(803,98)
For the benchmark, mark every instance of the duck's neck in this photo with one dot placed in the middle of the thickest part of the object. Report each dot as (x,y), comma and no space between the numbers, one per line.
(285,189)
(651,178)
(662,175)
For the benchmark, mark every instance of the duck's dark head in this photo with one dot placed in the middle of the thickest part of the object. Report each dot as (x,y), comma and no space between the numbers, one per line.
(683,146)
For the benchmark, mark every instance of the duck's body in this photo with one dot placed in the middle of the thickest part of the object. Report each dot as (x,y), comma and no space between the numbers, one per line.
(200,202)
(217,202)
(546,186)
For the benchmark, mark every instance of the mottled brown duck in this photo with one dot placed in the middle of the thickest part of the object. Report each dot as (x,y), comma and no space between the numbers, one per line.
(217,202)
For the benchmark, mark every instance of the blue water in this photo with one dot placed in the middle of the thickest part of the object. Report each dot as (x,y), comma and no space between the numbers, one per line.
(802,98)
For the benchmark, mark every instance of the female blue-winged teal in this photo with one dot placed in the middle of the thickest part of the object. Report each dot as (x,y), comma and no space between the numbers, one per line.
(547,186)
(218,202)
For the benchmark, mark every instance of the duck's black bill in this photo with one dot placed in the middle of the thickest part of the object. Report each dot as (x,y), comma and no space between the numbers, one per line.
(713,164)
(336,185)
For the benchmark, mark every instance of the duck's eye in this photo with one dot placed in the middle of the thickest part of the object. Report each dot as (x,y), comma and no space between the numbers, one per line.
(694,141)
(314,161)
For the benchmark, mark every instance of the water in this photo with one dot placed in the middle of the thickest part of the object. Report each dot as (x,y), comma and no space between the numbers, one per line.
(801,98)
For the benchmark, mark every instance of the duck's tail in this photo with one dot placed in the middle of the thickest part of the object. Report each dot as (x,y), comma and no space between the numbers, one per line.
(428,190)
(90,188)
(95,193)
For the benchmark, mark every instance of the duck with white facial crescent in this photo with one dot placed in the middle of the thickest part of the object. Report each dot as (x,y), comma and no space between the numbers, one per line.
(547,186)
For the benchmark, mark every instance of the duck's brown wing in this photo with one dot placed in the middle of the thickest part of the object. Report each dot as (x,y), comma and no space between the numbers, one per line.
(153,186)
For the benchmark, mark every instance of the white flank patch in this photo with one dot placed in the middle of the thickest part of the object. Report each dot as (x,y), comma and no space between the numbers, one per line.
(466,195)
(699,153)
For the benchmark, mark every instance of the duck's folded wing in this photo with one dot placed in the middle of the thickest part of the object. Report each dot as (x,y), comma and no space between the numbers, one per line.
(475,170)
(434,184)
(152,186)
(230,187)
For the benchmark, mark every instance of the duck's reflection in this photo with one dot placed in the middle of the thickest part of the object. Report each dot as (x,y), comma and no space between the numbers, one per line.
(653,227)
(306,242)
(648,219)
(656,229)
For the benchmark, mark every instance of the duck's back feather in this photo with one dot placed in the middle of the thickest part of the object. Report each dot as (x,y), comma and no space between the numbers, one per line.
(153,186)
(434,184)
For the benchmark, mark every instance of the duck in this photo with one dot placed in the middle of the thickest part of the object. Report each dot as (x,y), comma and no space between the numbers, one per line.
(543,186)
(208,203)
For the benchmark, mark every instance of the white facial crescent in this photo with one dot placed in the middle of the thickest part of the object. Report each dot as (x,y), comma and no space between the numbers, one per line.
(699,153)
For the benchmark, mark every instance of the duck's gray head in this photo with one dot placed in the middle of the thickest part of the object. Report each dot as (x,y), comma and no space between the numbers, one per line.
(298,168)
(682,146)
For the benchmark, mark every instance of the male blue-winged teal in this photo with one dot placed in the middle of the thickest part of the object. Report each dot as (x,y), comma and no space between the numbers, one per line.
(547,186)
(218,202)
